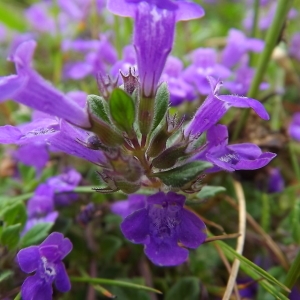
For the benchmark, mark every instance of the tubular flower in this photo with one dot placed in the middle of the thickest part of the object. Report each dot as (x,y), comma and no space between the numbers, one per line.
(154,33)
(161,225)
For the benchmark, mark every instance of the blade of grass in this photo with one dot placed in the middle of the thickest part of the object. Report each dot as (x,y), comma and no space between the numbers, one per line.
(114,283)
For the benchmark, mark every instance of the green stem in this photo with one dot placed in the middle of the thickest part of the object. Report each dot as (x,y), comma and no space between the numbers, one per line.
(293,273)
(294,159)
(265,214)
(114,283)
(272,37)
(255,17)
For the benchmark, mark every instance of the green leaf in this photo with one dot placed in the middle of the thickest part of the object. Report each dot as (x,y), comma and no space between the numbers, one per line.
(179,176)
(255,272)
(109,245)
(5,275)
(14,214)
(295,216)
(187,288)
(98,106)
(36,234)
(10,235)
(114,283)
(210,191)
(162,100)
(12,17)
(122,109)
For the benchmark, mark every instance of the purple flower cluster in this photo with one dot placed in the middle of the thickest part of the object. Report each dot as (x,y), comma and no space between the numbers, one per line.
(129,158)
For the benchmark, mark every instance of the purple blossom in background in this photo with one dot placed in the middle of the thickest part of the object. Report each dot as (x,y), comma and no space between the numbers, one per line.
(39,18)
(126,207)
(238,45)
(275,181)
(29,88)
(295,294)
(98,58)
(64,184)
(154,30)
(242,82)
(42,202)
(215,106)
(204,64)
(128,61)
(226,157)
(178,87)
(46,261)
(294,127)
(267,13)
(295,46)
(30,223)
(161,225)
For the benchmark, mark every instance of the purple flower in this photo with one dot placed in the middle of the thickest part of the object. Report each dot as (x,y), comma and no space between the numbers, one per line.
(49,218)
(161,225)
(215,106)
(95,61)
(42,202)
(242,82)
(295,46)
(29,88)
(204,63)
(295,294)
(154,33)
(231,157)
(294,128)
(275,181)
(46,261)
(126,207)
(64,184)
(179,88)
(39,18)
(238,45)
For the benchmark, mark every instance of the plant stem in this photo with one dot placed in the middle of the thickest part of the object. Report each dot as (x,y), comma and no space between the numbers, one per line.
(293,273)
(294,159)
(272,37)
(240,241)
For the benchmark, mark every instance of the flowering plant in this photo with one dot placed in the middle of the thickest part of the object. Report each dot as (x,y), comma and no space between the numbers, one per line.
(147,136)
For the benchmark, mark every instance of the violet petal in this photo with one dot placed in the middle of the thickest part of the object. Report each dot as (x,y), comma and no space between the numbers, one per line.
(28,259)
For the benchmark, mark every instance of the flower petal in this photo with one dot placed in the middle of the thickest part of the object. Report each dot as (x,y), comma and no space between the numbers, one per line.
(9,85)
(135,227)
(121,8)
(258,163)
(244,102)
(35,288)
(68,141)
(55,238)
(62,281)
(28,259)
(9,134)
(166,253)
(188,11)
(191,231)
